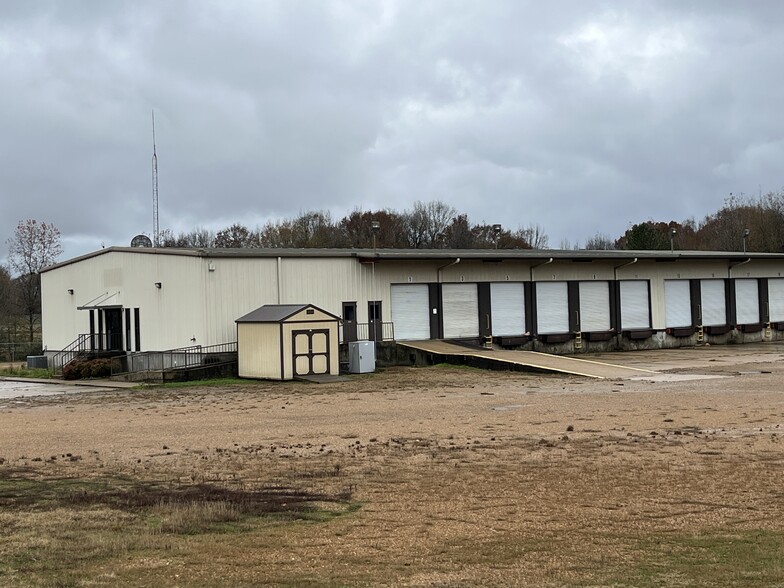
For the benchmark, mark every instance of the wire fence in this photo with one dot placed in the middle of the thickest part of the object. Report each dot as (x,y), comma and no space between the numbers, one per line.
(13,351)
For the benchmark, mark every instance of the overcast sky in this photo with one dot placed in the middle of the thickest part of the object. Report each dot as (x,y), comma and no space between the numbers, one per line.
(581,116)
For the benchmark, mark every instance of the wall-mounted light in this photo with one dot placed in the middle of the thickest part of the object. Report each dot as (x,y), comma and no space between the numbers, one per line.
(158,285)
(70,291)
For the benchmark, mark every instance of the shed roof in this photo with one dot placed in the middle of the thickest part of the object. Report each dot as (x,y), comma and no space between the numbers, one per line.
(277,313)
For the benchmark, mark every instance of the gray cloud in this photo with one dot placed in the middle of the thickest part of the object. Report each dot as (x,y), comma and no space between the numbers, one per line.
(580,116)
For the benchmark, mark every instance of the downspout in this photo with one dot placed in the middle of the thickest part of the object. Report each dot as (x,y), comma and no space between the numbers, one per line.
(443,267)
(732,265)
(618,326)
(616,268)
(280,286)
(531,269)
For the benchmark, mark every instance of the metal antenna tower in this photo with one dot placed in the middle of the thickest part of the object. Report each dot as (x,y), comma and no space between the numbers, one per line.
(155,226)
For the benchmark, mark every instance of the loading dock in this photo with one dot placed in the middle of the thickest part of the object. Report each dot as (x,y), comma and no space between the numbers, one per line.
(533,360)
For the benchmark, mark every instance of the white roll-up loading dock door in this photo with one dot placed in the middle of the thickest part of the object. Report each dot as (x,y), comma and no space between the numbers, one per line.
(552,308)
(460,310)
(776,299)
(594,306)
(635,307)
(713,304)
(507,308)
(411,311)
(747,311)
(677,303)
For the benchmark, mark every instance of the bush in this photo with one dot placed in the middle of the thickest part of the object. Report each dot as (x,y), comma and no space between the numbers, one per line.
(87,368)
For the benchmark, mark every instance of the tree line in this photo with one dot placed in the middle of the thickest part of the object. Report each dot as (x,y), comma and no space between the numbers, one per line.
(427,225)
(742,223)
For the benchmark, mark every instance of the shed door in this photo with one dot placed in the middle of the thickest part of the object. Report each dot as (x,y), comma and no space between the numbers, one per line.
(552,307)
(713,303)
(677,303)
(634,305)
(507,308)
(310,352)
(747,311)
(776,299)
(461,310)
(411,311)
(594,306)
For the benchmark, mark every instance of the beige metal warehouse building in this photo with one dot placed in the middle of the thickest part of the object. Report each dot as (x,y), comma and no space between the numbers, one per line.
(138,299)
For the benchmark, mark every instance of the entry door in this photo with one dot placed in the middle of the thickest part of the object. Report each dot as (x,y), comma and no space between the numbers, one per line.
(375,325)
(310,352)
(114,330)
(349,322)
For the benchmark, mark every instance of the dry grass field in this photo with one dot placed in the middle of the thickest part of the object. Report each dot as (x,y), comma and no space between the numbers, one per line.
(409,477)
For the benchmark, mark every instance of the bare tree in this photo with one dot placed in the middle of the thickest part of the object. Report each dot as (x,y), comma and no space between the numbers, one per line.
(534,235)
(600,242)
(235,237)
(33,246)
(427,222)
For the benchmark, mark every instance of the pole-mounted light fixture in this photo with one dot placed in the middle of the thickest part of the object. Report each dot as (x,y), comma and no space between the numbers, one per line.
(673,232)
(746,233)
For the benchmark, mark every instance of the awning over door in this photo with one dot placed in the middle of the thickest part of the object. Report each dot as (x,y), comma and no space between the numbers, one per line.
(507,308)
(411,311)
(552,308)
(747,311)
(594,306)
(713,303)
(635,309)
(677,303)
(460,310)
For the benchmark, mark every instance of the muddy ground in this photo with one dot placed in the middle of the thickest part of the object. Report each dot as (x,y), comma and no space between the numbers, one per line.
(459,476)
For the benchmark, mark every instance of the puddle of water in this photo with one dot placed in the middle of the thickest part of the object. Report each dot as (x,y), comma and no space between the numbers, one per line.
(675,377)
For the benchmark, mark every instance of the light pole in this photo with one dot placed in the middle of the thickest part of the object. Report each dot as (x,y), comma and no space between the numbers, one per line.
(673,232)
(746,234)
(496,233)
(375,226)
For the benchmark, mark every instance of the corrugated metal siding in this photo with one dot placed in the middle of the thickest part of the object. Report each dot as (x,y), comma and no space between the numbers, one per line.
(677,296)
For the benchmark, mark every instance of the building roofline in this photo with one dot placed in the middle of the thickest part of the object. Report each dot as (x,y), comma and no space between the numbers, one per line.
(380,255)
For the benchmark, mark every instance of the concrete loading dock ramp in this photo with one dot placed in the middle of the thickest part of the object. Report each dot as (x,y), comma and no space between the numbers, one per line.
(531,359)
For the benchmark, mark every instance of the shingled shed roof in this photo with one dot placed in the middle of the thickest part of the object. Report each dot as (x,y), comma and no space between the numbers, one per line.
(277,313)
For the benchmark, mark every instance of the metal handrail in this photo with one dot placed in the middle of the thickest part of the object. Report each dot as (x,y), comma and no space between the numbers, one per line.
(182,357)
(383,331)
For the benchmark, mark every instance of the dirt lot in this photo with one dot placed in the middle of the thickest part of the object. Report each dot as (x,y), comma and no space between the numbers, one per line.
(438,476)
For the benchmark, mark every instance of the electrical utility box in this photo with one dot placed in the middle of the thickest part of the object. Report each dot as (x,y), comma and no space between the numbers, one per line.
(361,357)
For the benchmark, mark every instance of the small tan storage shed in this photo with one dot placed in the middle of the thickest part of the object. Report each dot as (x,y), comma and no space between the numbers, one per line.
(283,341)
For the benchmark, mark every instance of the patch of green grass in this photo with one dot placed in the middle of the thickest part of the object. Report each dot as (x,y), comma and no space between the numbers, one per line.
(24,372)
(742,559)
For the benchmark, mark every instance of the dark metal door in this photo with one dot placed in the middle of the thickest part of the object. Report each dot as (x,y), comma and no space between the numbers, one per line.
(349,322)
(114,333)
(310,352)
(374,321)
